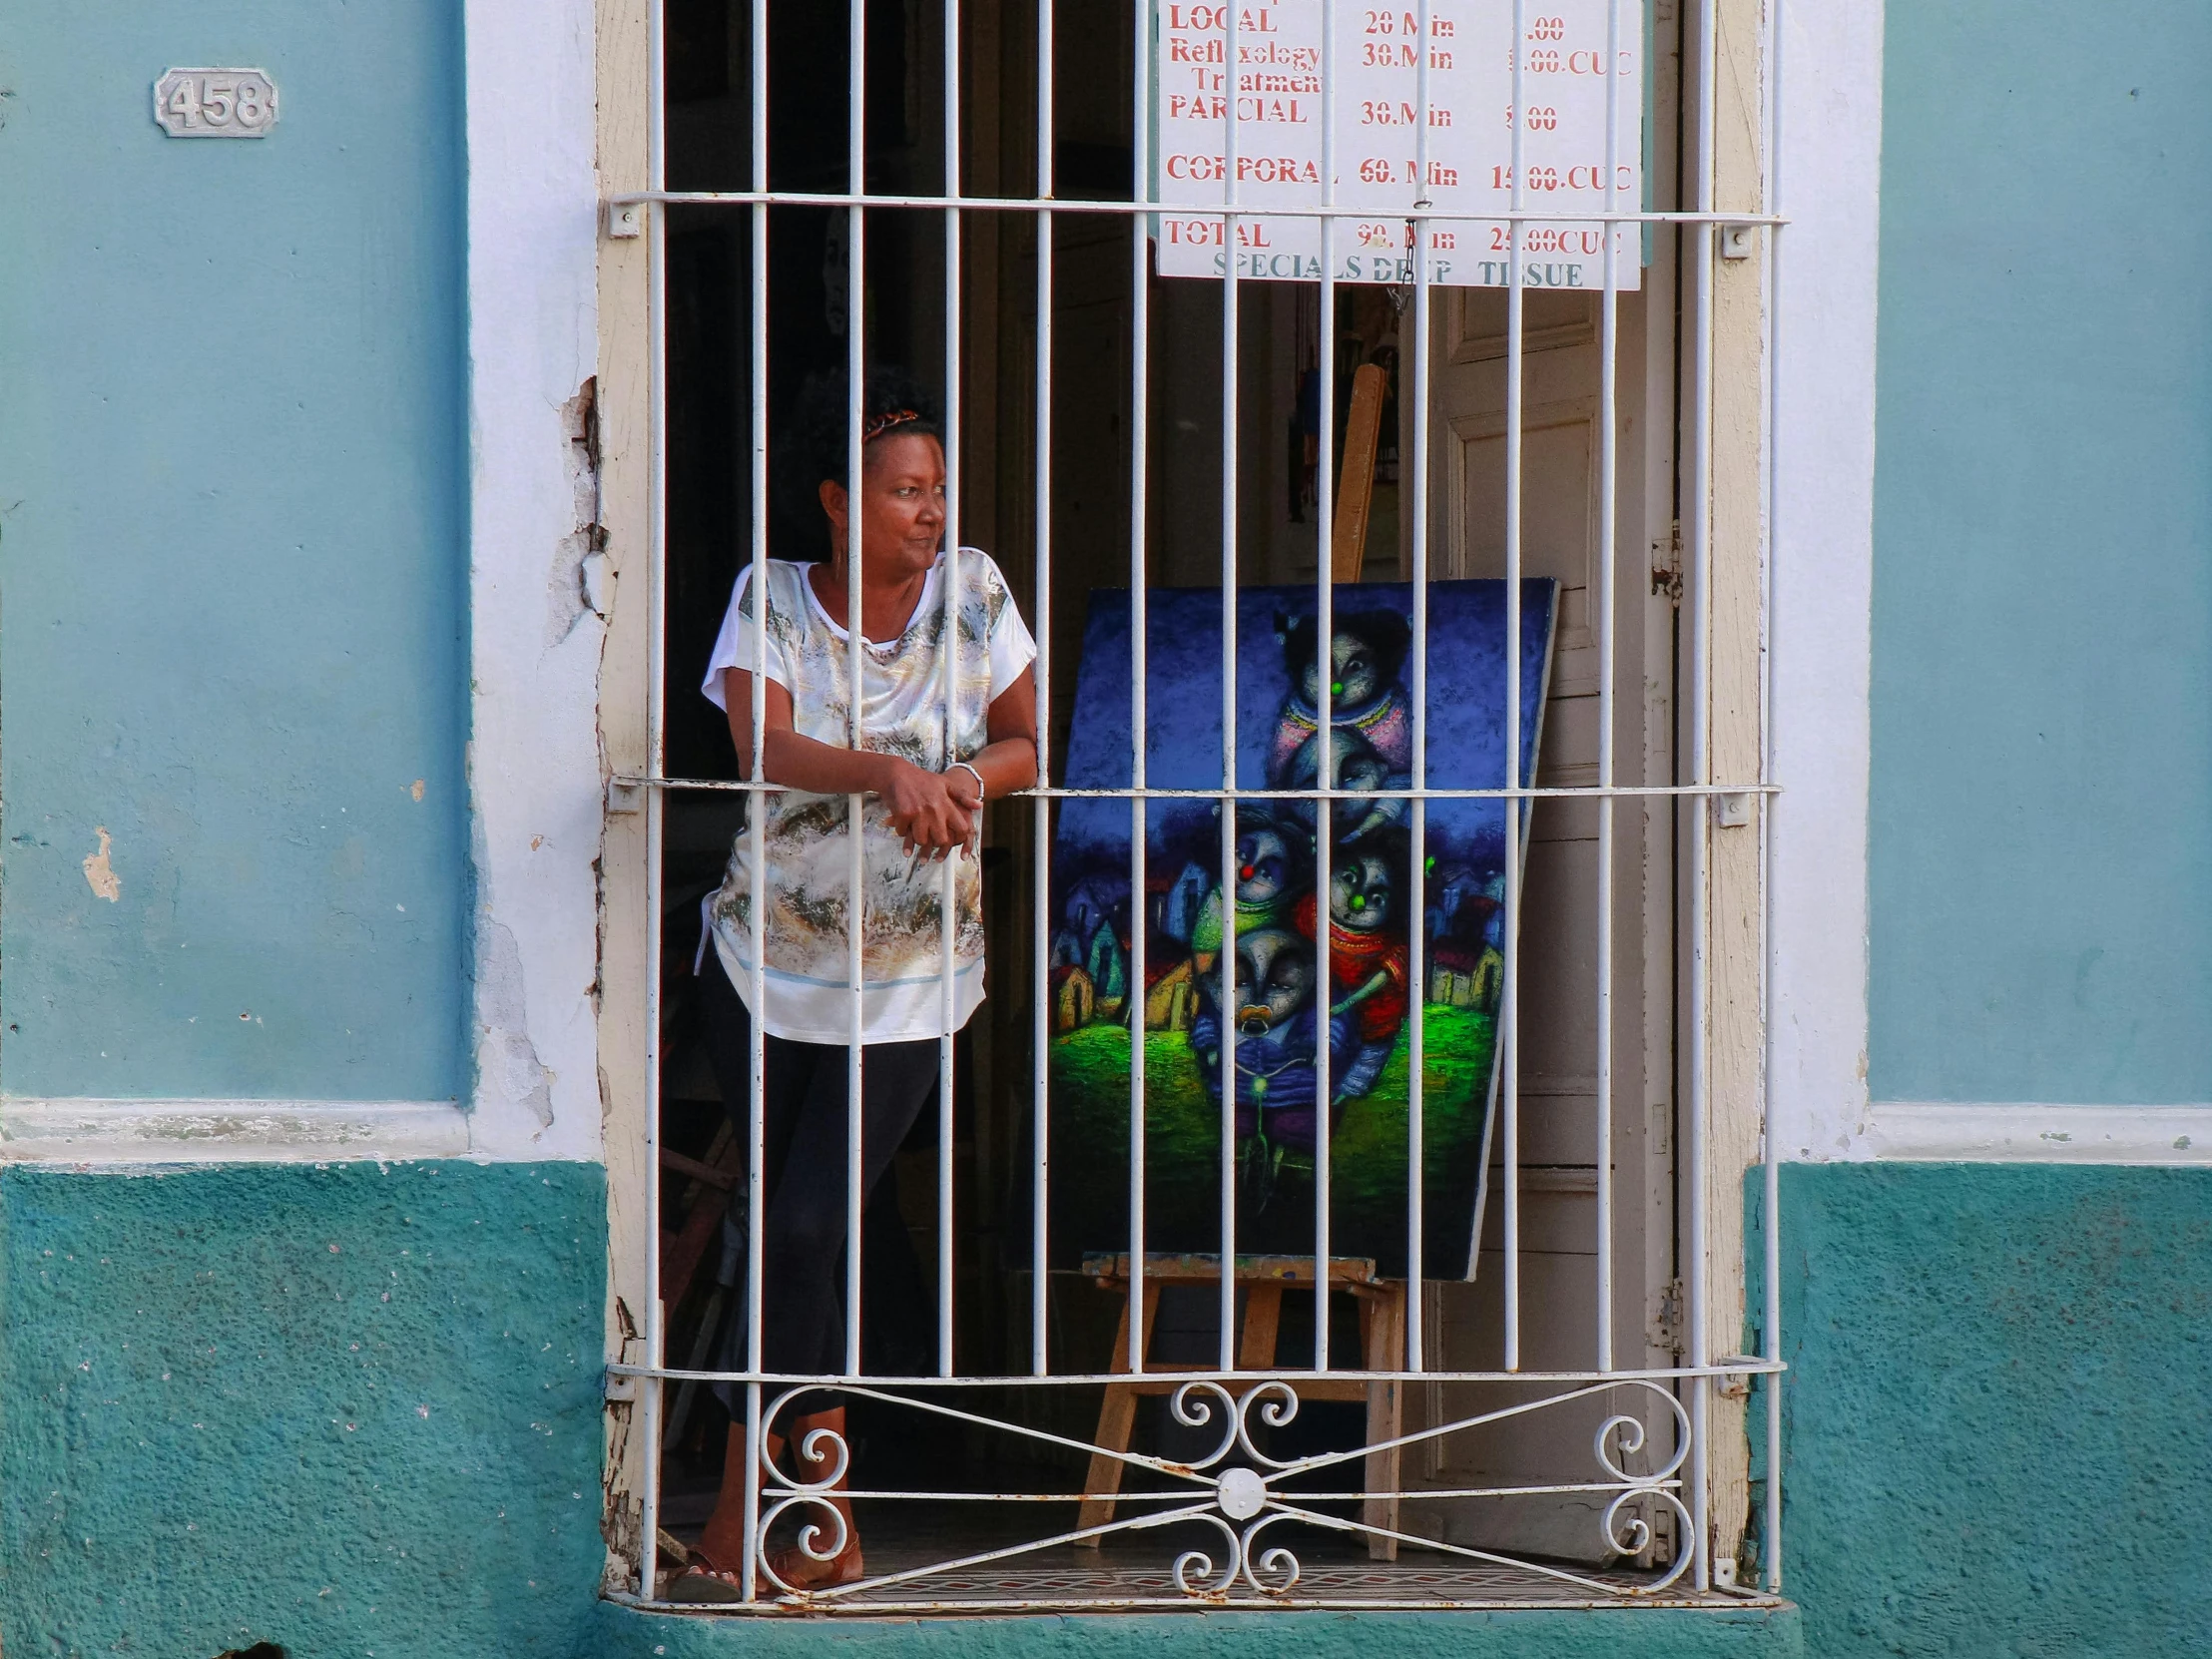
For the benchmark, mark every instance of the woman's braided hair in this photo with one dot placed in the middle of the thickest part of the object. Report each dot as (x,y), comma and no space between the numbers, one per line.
(811,444)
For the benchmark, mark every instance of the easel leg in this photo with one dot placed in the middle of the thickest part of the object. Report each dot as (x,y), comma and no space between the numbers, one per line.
(1385,1350)
(1117,1416)
(1261,1321)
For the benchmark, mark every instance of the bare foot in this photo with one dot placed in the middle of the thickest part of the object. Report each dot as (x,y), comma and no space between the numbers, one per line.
(723,1541)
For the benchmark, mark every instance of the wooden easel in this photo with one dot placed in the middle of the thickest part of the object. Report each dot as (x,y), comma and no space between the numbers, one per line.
(1264,1278)
(1356,479)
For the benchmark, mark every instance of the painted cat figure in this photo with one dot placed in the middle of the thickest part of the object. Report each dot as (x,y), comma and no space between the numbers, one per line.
(1278,1027)
(1369,965)
(1356,766)
(1265,876)
(1366,697)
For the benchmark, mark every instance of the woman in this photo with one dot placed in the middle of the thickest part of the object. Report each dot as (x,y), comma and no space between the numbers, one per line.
(923,807)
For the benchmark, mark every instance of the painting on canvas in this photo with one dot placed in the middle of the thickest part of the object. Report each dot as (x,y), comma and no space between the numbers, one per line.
(1230,999)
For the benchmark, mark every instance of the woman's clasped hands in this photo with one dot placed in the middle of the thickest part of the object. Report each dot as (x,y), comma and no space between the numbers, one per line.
(933,812)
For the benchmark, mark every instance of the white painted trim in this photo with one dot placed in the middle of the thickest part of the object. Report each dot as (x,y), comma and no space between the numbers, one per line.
(1947,1131)
(1831,167)
(1830,158)
(534,762)
(228,1131)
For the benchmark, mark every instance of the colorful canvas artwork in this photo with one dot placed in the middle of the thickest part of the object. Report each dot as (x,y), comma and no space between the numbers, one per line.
(1281,1030)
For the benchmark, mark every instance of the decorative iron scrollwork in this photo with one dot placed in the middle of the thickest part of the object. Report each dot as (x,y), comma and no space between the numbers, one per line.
(1241,1490)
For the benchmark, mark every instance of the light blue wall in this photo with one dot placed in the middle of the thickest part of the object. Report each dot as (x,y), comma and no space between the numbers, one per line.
(233,557)
(2042,794)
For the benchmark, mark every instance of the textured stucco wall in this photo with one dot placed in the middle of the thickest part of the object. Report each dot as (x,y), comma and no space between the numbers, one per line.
(353,1410)
(232,560)
(2000,1377)
(1997,1417)
(1565,1634)
(1996,1448)
(2043,578)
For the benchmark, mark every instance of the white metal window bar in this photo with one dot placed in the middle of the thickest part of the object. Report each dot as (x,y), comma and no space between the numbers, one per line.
(1237,1489)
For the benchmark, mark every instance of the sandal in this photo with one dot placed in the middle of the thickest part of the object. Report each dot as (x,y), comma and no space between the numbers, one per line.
(703,1583)
(796,1567)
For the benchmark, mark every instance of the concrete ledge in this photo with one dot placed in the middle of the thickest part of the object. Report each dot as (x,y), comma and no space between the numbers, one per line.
(1538,1633)
(1972,1132)
(66,1131)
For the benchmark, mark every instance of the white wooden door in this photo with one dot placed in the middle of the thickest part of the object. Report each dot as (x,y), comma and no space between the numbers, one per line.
(1560,1154)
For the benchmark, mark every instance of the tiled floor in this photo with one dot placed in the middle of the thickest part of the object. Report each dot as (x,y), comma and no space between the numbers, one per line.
(1418,1579)
(1137,1571)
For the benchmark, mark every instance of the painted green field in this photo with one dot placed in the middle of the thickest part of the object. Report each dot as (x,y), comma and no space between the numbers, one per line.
(1367,1185)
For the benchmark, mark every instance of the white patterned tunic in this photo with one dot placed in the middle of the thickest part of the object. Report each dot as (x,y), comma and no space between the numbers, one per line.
(809,860)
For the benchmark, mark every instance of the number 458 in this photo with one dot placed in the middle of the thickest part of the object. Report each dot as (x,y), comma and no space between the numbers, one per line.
(214,98)
(203,102)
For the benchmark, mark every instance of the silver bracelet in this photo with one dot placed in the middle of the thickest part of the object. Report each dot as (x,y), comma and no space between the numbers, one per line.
(982,790)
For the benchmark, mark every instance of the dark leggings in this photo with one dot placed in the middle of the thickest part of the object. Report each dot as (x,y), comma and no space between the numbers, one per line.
(804,1111)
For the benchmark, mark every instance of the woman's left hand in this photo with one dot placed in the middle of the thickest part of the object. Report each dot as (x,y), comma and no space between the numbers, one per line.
(961,784)
(928,809)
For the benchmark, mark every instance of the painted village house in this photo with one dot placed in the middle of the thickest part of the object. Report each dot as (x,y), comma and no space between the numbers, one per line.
(370,492)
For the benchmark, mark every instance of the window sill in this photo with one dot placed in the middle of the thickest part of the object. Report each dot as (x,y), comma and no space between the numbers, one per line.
(1723,1632)
(79,1131)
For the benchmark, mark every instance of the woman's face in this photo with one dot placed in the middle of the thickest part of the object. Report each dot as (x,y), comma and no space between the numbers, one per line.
(901,506)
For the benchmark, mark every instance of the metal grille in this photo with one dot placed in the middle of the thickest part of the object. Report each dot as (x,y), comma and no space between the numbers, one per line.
(1232,1523)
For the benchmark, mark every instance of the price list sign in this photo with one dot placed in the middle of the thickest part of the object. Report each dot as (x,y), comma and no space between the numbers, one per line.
(1576,58)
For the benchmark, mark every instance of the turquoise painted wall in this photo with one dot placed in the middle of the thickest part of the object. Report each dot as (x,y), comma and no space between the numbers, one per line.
(2042,585)
(232,556)
(356,1412)
(351,1411)
(1643,1634)
(2001,1378)
(214,1429)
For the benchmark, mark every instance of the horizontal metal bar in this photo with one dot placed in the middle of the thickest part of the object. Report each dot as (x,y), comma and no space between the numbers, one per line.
(1735,1365)
(1183,1494)
(1672,1484)
(1628,1595)
(1185,210)
(1556,792)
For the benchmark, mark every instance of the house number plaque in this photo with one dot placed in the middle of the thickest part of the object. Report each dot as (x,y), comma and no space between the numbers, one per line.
(215,103)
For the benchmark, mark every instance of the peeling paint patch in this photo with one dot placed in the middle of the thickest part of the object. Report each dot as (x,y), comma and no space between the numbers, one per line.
(100,875)
(577,586)
(507,1063)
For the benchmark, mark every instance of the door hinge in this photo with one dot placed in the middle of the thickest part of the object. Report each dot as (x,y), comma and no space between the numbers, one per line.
(1666,1323)
(1666,565)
